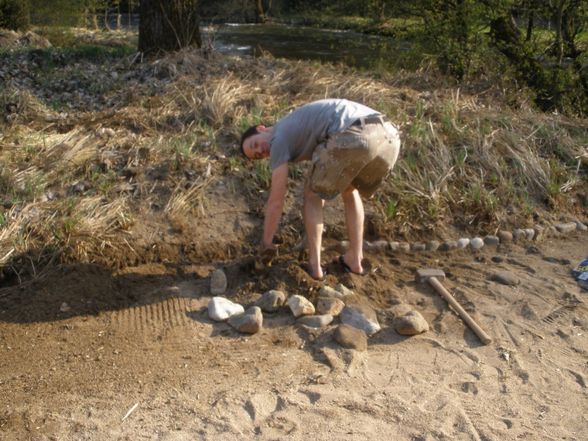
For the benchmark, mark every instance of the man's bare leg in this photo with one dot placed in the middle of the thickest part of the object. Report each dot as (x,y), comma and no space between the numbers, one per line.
(354,218)
(313,222)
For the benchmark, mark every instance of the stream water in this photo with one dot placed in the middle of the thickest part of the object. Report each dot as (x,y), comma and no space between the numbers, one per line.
(283,41)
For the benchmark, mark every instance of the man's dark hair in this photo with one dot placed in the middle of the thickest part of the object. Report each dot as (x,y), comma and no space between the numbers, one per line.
(249,132)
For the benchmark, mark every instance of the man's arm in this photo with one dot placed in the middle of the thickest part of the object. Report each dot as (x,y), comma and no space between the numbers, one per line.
(275,204)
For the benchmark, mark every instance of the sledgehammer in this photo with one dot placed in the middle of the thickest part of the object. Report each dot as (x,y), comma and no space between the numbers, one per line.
(432,276)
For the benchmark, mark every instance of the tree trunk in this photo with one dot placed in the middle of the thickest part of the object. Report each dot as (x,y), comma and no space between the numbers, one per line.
(261,18)
(168,25)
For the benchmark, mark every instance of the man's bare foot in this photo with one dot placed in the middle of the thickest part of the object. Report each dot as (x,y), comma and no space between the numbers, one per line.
(356,268)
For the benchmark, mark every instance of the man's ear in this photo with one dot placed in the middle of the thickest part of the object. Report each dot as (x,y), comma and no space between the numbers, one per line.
(262,128)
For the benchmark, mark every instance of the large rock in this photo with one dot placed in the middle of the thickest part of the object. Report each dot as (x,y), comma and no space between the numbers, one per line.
(300,306)
(351,338)
(250,322)
(411,323)
(220,309)
(362,317)
(271,300)
(218,282)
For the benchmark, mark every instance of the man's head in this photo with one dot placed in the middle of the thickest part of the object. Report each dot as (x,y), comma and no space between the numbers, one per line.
(255,142)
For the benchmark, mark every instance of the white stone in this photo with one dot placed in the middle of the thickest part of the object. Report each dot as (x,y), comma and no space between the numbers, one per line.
(529,233)
(477,243)
(463,242)
(300,305)
(361,317)
(220,309)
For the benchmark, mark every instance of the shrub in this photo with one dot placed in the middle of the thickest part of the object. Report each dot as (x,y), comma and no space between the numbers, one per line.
(14,14)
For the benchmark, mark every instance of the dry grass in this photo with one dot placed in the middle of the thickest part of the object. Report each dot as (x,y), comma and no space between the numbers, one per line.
(467,160)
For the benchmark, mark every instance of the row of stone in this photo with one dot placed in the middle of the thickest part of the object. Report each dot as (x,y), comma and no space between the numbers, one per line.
(537,233)
(358,321)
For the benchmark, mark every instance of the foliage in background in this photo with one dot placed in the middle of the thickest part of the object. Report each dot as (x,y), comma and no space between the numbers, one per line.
(14,14)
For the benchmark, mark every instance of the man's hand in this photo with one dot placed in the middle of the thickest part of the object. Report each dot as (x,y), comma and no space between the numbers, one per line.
(267,253)
(265,256)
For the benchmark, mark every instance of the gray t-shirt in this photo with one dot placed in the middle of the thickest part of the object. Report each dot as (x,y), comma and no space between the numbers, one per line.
(296,135)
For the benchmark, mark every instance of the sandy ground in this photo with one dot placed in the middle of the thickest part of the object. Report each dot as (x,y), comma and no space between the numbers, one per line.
(83,346)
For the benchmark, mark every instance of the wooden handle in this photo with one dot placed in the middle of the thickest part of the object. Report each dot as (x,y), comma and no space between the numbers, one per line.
(485,338)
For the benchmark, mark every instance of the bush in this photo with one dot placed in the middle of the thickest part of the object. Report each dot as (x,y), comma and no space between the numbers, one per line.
(14,14)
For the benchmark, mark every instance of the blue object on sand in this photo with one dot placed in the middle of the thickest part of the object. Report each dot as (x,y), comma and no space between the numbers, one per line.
(581,273)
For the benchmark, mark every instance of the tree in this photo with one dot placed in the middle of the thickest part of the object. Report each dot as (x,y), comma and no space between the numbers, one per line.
(14,14)
(168,25)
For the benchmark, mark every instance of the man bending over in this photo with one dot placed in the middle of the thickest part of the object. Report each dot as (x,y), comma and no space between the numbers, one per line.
(352,148)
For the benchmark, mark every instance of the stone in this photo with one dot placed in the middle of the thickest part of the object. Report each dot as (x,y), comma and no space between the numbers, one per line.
(362,317)
(477,243)
(249,322)
(300,306)
(448,245)
(393,246)
(566,228)
(327,291)
(343,290)
(491,240)
(272,300)
(505,236)
(220,309)
(64,307)
(529,233)
(539,233)
(518,234)
(411,323)
(329,305)
(432,245)
(403,246)
(218,282)
(380,245)
(351,338)
(463,243)
(505,278)
(106,132)
(581,226)
(315,321)
(418,246)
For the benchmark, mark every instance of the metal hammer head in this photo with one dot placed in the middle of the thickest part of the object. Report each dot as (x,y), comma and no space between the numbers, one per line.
(424,274)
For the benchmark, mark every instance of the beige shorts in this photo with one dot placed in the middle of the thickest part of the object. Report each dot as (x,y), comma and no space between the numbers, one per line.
(360,156)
